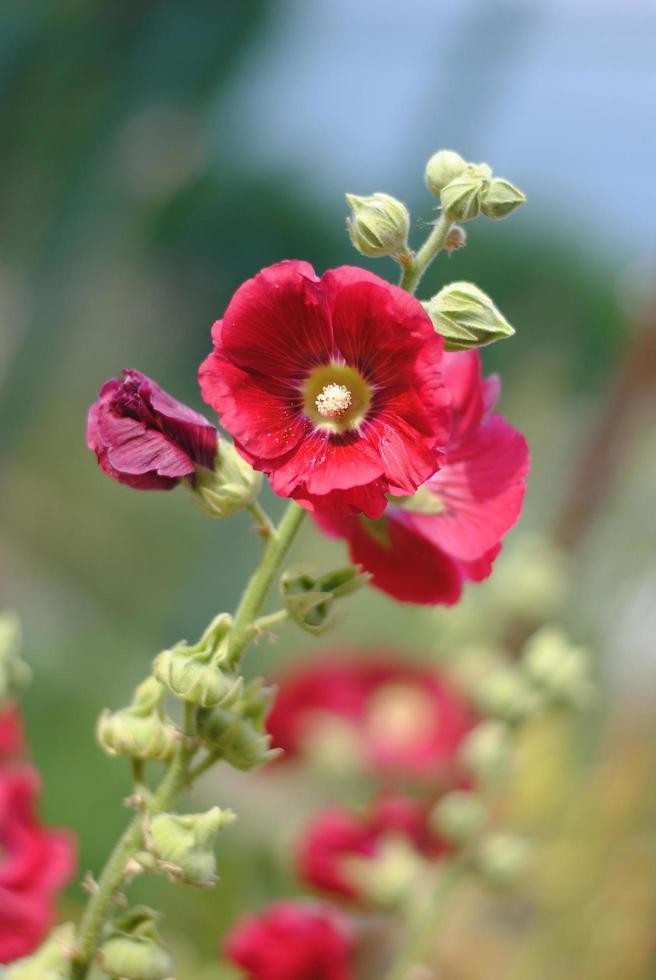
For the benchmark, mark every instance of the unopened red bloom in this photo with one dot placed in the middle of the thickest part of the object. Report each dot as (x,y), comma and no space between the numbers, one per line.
(331,386)
(35,863)
(424,548)
(403,721)
(294,941)
(145,438)
(338,835)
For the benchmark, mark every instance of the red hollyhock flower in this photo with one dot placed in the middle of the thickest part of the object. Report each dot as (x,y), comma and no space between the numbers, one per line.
(338,835)
(35,863)
(294,941)
(424,548)
(145,438)
(402,721)
(12,741)
(331,386)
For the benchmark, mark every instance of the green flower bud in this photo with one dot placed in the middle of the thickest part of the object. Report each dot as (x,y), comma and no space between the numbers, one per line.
(378,225)
(230,487)
(52,961)
(443,167)
(500,198)
(239,736)
(195,673)
(134,950)
(140,731)
(485,752)
(14,672)
(461,199)
(309,599)
(466,317)
(560,669)
(506,694)
(391,877)
(459,816)
(502,858)
(184,845)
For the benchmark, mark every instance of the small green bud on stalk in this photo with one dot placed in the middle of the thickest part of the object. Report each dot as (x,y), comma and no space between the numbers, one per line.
(502,858)
(14,672)
(309,599)
(559,669)
(461,199)
(52,961)
(195,674)
(230,487)
(459,816)
(184,845)
(486,752)
(389,879)
(378,225)
(140,731)
(456,239)
(443,167)
(466,317)
(508,695)
(239,735)
(500,198)
(134,950)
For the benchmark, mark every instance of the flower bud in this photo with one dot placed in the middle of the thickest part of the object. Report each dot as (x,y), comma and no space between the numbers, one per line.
(140,731)
(239,736)
(485,752)
(185,844)
(309,600)
(466,317)
(560,669)
(230,487)
(52,961)
(389,878)
(14,672)
(499,198)
(378,225)
(456,239)
(443,167)
(461,199)
(502,858)
(507,694)
(194,673)
(134,950)
(459,816)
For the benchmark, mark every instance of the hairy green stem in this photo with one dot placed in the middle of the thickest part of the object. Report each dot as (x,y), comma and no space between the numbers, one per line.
(179,776)
(424,920)
(414,269)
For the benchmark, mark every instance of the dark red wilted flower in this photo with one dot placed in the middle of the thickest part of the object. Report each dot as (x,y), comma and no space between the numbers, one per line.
(404,721)
(424,548)
(294,941)
(35,863)
(338,835)
(331,386)
(145,438)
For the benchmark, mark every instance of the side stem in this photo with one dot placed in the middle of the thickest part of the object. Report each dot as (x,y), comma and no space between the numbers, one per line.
(415,268)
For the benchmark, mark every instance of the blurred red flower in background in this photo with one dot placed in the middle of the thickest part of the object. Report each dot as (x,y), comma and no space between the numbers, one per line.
(35,861)
(145,438)
(331,386)
(337,835)
(401,721)
(293,940)
(425,547)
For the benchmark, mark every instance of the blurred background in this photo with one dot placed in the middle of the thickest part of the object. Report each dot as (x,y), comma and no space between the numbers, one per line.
(153,156)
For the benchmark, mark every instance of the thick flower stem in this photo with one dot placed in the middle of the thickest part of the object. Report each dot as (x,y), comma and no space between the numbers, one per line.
(414,270)
(424,921)
(178,776)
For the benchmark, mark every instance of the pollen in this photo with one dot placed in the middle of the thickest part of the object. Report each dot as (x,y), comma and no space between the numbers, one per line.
(333,401)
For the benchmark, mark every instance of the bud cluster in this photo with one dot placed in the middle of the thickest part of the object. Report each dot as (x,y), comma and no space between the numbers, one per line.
(467,189)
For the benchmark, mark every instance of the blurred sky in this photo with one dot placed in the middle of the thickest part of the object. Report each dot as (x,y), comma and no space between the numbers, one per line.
(559,94)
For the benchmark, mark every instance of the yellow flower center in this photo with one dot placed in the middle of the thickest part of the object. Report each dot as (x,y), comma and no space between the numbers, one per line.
(399,715)
(336,397)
